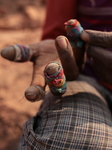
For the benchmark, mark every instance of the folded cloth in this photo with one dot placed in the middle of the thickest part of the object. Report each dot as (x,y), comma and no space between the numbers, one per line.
(80,120)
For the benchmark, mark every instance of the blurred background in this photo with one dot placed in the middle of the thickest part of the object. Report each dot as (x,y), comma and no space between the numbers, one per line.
(21,22)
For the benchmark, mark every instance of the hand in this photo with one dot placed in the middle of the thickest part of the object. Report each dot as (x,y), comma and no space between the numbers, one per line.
(101,57)
(42,53)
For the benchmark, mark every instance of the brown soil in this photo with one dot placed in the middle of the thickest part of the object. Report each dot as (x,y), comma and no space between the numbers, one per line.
(20,22)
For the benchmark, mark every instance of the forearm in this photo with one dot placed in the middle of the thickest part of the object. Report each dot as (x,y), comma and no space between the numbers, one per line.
(58,12)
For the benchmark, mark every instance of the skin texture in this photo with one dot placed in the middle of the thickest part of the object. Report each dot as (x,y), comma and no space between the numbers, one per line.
(101,57)
(64,51)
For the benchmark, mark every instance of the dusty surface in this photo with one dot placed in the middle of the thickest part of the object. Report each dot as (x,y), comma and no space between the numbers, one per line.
(20,22)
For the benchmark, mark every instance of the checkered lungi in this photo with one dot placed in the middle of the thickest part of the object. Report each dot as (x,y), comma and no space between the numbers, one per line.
(80,120)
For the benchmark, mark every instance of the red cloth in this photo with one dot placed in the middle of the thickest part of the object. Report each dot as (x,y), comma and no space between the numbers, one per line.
(57,13)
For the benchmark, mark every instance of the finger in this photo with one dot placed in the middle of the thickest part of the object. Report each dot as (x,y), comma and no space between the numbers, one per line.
(34,93)
(17,53)
(79,54)
(98,38)
(100,55)
(55,78)
(22,53)
(8,53)
(67,58)
(36,90)
(74,29)
(44,55)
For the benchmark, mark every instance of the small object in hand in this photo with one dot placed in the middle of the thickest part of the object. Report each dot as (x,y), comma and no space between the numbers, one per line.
(74,29)
(55,78)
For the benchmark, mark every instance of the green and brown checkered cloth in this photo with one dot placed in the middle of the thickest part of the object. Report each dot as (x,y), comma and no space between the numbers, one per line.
(80,120)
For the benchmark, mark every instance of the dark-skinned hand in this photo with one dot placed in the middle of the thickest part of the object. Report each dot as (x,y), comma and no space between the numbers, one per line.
(99,43)
(61,50)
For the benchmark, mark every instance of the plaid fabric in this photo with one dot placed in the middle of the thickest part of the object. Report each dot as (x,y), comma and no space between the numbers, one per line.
(80,120)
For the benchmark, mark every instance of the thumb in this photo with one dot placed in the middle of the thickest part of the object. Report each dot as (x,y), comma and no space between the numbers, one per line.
(98,38)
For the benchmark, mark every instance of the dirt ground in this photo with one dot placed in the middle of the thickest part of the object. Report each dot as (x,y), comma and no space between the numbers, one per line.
(20,22)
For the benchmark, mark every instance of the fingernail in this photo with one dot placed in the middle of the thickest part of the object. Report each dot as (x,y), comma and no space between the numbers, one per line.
(8,53)
(34,93)
(31,93)
(85,36)
(31,96)
(61,42)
